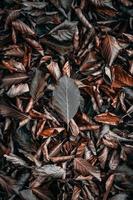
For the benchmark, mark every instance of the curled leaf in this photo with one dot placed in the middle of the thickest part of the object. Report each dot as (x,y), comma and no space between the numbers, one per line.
(54,70)
(17,90)
(108,118)
(51,132)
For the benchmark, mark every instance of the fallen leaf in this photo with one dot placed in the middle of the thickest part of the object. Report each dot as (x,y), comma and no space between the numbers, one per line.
(66,98)
(120,78)
(110,49)
(108,118)
(85,168)
(51,132)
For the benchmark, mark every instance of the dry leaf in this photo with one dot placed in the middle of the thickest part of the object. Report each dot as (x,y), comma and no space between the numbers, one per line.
(66,98)
(110,49)
(14,79)
(85,168)
(17,90)
(50,170)
(37,85)
(22,27)
(120,78)
(54,70)
(108,118)
(51,132)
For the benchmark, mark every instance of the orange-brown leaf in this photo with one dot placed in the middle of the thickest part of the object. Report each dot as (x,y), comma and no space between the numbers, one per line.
(120,78)
(51,132)
(108,118)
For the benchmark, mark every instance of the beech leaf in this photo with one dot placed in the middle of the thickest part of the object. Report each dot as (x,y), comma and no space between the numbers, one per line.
(85,168)
(110,49)
(108,118)
(64,31)
(14,78)
(37,85)
(66,98)
(50,170)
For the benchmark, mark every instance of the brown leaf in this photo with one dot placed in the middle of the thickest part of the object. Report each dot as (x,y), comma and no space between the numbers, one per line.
(55,150)
(7,183)
(80,150)
(108,118)
(109,183)
(127,2)
(11,17)
(7,111)
(76,193)
(103,157)
(66,69)
(110,143)
(14,50)
(14,79)
(85,168)
(82,18)
(89,127)
(54,70)
(129,36)
(76,39)
(22,27)
(74,128)
(110,49)
(34,44)
(38,84)
(120,78)
(51,132)
(61,158)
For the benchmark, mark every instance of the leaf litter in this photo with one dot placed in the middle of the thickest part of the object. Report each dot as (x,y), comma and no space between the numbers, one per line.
(66,90)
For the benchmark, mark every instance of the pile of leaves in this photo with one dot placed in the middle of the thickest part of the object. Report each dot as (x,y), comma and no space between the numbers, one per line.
(66,93)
